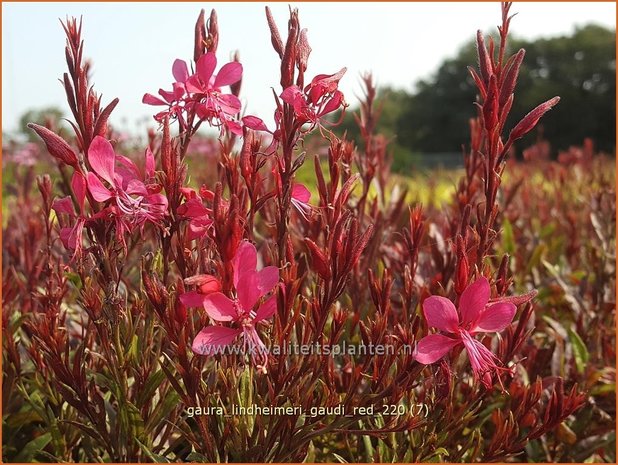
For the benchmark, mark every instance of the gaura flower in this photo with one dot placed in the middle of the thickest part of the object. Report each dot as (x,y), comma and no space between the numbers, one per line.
(210,102)
(475,316)
(133,202)
(72,236)
(206,284)
(172,99)
(244,310)
(300,199)
(317,99)
(198,215)
(202,93)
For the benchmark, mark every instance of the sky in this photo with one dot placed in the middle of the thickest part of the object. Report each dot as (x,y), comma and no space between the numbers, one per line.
(133,45)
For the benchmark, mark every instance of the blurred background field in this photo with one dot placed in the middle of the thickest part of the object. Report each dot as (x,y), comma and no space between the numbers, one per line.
(558,227)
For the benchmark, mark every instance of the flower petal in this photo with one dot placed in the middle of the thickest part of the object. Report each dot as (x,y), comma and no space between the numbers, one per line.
(473,300)
(102,158)
(267,309)
(433,347)
(150,99)
(68,238)
(441,313)
(267,278)
(244,261)
(495,318)
(255,123)
(233,126)
(229,73)
(99,192)
(180,70)
(193,208)
(212,339)
(193,84)
(333,103)
(220,307)
(192,299)
(290,94)
(229,104)
(78,183)
(248,290)
(64,205)
(206,283)
(301,193)
(136,187)
(206,66)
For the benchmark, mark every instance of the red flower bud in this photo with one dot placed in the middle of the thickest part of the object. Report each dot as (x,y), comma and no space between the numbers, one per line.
(180,312)
(319,260)
(275,37)
(531,119)
(205,283)
(200,34)
(485,65)
(510,78)
(56,145)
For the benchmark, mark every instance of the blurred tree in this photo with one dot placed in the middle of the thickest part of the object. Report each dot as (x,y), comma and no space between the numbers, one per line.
(389,102)
(48,116)
(580,68)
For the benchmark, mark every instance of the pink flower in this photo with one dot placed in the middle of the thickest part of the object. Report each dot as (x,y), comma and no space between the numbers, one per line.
(476,317)
(206,284)
(202,93)
(172,99)
(251,286)
(198,215)
(300,199)
(209,102)
(133,203)
(318,99)
(71,237)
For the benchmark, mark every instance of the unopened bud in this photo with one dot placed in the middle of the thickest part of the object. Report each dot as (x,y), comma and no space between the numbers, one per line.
(56,145)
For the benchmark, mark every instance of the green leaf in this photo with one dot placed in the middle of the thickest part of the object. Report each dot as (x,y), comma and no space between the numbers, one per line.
(603,389)
(508,241)
(367,444)
(197,457)
(133,352)
(156,458)
(89,430)
(133,418)
(245,394)
(579,350)
(162,410)
(438,455)
(30,450)
(310,457)
(536,257)
(74,279)
(150,386)
(23,418)
(157,262)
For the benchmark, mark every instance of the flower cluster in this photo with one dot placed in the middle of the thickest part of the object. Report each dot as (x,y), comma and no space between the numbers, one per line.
(134,196)
(318,99)
(131,197)
(201,94)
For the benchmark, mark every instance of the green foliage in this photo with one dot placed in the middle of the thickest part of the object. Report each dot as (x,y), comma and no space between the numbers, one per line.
(391,104)
(580,68)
